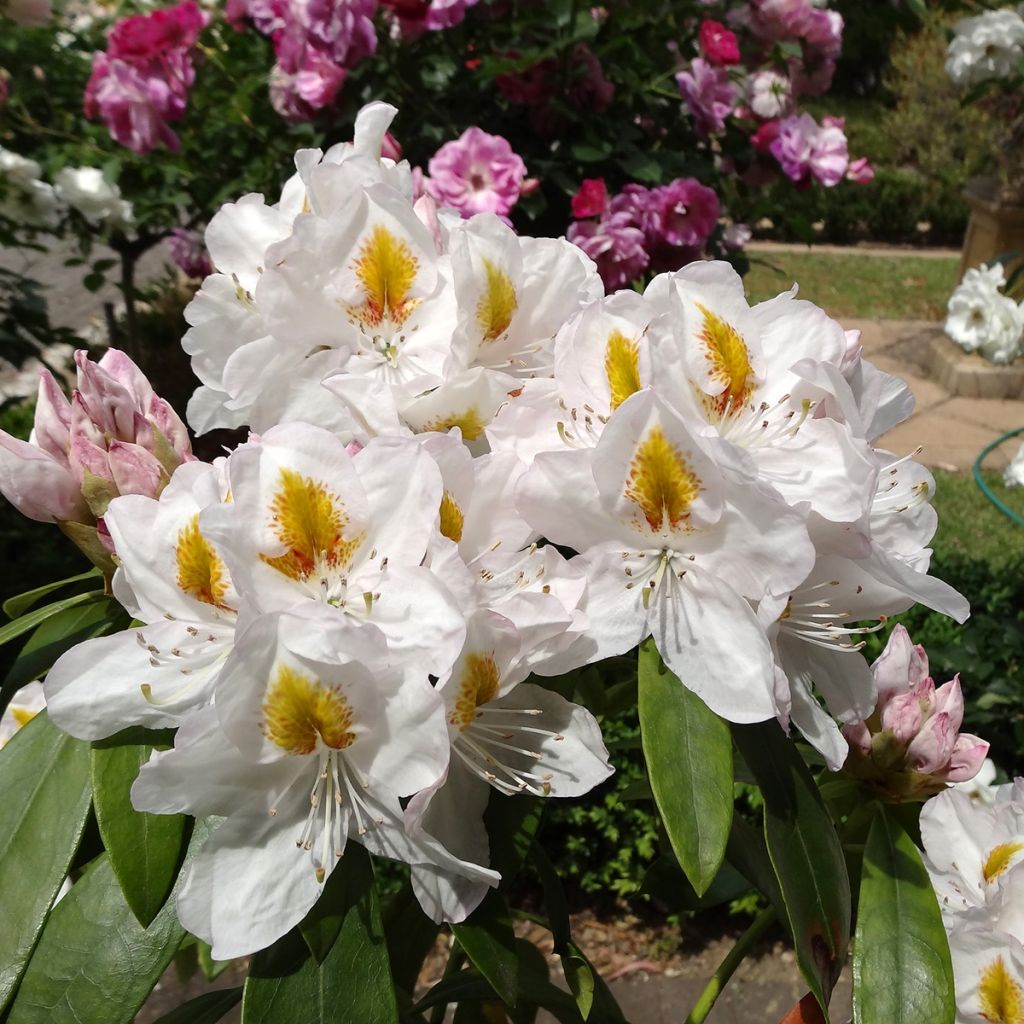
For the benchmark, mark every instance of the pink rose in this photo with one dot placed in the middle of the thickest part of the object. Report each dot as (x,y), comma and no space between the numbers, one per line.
(717,43)
(477,173)
(591,199)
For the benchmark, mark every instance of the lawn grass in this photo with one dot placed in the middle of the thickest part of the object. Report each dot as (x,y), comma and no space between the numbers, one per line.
(971,526)
(869,287)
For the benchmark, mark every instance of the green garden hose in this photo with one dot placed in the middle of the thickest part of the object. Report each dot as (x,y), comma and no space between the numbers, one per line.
(984,486)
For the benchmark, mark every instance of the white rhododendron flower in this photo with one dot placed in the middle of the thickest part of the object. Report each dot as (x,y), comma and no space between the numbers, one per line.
(982,319)
(25,704)
(974,852)
(174,581)
(989,45)
(99,201)
(471,472)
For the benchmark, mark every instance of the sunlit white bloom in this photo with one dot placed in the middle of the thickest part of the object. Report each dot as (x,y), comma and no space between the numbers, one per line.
(672,547)
(769,94)
(988,973)
(311,524)
(24,705)
(513,738)
(313,739)
(172,579)
(24,196)
(981,318)
(990,45)
(99,201)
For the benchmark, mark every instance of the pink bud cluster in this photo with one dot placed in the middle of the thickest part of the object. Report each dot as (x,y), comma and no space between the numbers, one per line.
(315,42)
(643,228)
(911,746)
(115,436)
(142,81)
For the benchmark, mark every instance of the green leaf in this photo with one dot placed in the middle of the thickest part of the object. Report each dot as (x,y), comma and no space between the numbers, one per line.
(688,751)
(145,850)
(32,619)
(487,937)
(205,1009)
(410,934)
(44,778)
(805,853)
(511,823)
(902,971)
(353,984)
(665,881)
(95,964)
(57,634)
(20,603)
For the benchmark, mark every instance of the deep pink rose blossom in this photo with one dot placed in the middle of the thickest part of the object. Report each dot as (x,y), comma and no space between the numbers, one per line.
(591,199)
(717,43)
(682,213)
(477,173)
(149,36)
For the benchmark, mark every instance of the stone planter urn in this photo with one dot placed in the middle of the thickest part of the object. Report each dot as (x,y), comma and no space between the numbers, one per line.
(995,229)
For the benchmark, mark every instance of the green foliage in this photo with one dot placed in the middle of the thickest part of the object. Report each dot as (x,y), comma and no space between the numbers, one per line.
(902,971)
(688,751)
(980,552)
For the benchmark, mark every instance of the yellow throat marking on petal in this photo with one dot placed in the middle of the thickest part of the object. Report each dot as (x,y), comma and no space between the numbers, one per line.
(498,304)
(478,685)
(999,858)
(299,712)
(1000,997)
(452,519)
(201,574)
(22,716)
(470,422)
(622,367)
(661,482)
(729,359)
(386,268)
(309,521)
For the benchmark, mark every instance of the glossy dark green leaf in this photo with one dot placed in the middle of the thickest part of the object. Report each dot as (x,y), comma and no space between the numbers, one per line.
(487,938)
(145,850)
(747,853)
(805,852)
(20,603)
(902,972)
(688,751)
(667,883)
(511,823)
(212,969)
(95,964)
(30,620)
(352,985)
(44,778)
(58,634)
(205,1009)
(343,889)
(410,936)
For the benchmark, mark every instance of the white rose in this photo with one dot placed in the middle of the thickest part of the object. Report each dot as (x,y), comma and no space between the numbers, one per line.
(86,190)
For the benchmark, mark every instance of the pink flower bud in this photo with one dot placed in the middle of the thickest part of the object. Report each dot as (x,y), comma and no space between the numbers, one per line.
(426,210)
(858,735)
(52,426)
(390,148)
(968,756)
(860,171)
(949,699)
(931,748)
(135,470)
(903,717)
(900,666)
(37,485)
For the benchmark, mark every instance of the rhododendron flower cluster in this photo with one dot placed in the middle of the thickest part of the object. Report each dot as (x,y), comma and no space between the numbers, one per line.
(911,746)
(974,851)
(472,470)
(640,228)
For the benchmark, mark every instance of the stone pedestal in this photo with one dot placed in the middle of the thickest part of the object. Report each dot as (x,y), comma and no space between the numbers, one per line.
(970,375)
(996,228)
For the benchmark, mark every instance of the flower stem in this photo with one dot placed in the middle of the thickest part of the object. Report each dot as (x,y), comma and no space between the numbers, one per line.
(720,978)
